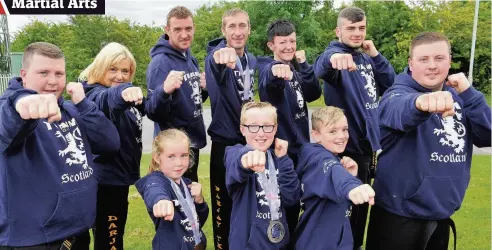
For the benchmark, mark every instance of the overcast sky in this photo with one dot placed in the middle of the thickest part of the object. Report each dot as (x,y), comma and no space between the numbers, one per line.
(141,11)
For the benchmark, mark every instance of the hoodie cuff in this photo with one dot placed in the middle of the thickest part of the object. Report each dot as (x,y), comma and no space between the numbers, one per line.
(84,106)
(18,94)
(200,207)
(378,59)
(304,65)
(284,162)
(470,95)
(351,187)
(162,95)
(414,111)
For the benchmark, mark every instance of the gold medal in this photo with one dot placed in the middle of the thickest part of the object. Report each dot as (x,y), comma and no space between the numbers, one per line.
(275,231)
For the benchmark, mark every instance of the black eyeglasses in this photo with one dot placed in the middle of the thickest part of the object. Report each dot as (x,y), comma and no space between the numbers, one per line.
(256,128)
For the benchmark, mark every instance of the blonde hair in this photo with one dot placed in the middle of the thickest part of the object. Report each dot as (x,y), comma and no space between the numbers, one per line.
(233,12)
(267,107)
(166,136)
(325,116)
(111,54)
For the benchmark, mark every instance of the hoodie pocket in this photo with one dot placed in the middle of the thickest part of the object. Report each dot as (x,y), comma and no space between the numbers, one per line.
(75,211)
(436,198)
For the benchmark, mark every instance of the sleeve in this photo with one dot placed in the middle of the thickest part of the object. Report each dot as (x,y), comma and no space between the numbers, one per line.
(478,115)
(101,132)
(110,101)
(269,86)
(152,189)
(158,103)
(330,180)
(309,83)
(14,129)
(215,73)
(397,111)
(289,184)
(235,173)
(323,69)
(384,74)
(202,211)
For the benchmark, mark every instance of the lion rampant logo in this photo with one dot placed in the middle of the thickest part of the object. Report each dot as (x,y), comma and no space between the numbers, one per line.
(453,131)
(370,84)
(261,194)
(74,153)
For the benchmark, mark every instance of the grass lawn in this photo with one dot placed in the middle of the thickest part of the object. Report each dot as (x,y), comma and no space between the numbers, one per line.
(472,220)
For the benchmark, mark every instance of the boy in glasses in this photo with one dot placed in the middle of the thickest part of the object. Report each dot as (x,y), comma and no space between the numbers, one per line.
(261,182)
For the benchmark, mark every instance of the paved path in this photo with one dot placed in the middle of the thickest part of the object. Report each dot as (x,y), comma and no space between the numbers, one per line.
(148,130)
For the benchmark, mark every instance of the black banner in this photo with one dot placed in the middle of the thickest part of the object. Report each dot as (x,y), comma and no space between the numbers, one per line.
(55,7)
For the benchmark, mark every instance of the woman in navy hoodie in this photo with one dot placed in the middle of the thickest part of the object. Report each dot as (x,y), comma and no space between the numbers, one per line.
(429,124)
(48,194)
(260,181)
(329,185)
(109,85)
(174,203)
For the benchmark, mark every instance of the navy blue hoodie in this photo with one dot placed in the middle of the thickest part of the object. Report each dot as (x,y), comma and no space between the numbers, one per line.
(48,191)
(175,234)
(226,92)
(325,188)
(290,97)
(122,168)
(250,215)
(357,93)
(183,108)
(424,168)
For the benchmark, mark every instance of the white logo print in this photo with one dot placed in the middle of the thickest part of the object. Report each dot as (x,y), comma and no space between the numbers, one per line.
(185,222)
(300,98)
(138,120)
(261,195)
(453,131)
(370,82)
(196,96)
(74,153)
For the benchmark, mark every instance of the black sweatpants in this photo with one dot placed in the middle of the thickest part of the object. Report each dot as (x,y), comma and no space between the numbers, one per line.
(112,210)
(359,212)
(388,231)
(221,202)
(192,172)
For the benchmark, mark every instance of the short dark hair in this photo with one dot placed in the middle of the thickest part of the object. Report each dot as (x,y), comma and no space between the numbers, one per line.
(280,28)
(180,12)
(428,37)
(352,13)
(40,48)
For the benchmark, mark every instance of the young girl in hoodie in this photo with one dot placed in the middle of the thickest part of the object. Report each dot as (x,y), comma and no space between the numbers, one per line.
(328,184)
(261,182)
(175,204)
(107,82)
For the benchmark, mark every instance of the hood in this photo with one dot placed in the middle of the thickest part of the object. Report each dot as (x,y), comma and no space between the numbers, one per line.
(163,47)
(216,43)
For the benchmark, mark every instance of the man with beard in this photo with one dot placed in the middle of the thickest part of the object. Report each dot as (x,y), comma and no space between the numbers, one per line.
(176,89)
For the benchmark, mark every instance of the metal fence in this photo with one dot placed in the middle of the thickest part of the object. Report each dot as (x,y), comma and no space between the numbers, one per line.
(4,82)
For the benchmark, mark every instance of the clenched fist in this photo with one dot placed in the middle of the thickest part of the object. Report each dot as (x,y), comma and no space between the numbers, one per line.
(226,56)
(282,71)
(362,194)
(164,209)
(343,61)
(39,107)
(300,56)
(458,82)
(281,147)
(173,81)
(369,48)
(350,165)
(196,192)
(76,91)
(254,160)
(438,102)
(203,81)
(132,94)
